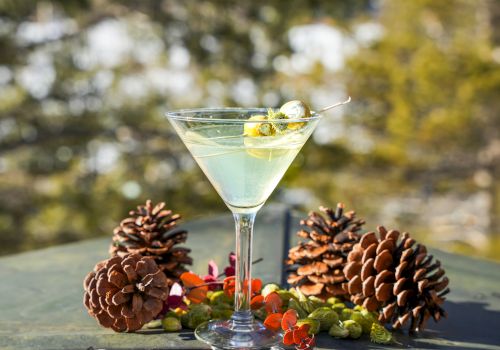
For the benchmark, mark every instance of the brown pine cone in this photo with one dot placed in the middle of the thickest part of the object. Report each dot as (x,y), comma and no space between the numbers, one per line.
(400,280)
(124,293)
(316,265)
(152,231)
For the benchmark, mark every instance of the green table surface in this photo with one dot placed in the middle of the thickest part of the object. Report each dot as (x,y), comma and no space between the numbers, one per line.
(41,294)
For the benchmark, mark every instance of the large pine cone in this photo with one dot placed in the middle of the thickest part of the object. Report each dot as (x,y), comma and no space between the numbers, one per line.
(124,293)
(317,265)
(152,231)
(400,280)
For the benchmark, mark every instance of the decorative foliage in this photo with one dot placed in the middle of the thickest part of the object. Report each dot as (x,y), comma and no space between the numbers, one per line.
(391,279)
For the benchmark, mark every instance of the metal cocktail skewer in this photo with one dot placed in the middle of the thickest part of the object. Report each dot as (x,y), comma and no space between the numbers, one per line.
(335,105)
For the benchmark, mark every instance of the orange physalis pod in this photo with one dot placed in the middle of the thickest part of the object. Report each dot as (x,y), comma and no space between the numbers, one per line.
(288,338)
(196,291)
(255,286)
(257,302)
(273,302)
(273,321)
(300,334)
(289,319)
(229,286)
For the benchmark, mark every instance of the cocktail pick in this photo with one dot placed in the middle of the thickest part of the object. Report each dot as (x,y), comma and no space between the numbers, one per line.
(335,105)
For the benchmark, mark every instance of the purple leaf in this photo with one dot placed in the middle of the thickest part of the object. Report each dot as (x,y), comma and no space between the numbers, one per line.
(175,298)
(213,269)
(229,271)
(210,280)
(232,259)
(174,301)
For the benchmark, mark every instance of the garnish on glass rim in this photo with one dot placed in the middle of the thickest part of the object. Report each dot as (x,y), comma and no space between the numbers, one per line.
(270,124)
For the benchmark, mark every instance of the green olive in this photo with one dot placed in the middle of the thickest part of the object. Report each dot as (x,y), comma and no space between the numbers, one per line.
(296,109)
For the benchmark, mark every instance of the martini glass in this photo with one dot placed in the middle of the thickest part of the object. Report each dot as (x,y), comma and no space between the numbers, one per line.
(244,170)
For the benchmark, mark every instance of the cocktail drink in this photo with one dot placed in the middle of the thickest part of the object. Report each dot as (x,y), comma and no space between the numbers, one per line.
(244,153)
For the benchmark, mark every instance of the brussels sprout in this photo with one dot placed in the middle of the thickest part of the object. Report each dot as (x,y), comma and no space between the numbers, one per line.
(295,305)
(317,302)
(197,314)
(261,313)
(171,324)
(345,314)
(293,291)
(373,316)
(337,331)
(314,325)
(172,313)
(305,303)
(380,335)
(354,328)
(285,297)
(269,288)
(338,307)
(364,322)
(326,316)
(221,313)
(358,308)
(333,300)
(153,324)
(219,297)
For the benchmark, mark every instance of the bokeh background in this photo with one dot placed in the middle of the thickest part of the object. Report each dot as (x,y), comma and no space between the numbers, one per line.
(84,84)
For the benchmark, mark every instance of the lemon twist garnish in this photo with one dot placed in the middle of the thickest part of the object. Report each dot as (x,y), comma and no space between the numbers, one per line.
(255,129)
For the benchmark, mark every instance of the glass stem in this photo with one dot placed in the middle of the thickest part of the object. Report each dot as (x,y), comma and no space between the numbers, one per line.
(244,230)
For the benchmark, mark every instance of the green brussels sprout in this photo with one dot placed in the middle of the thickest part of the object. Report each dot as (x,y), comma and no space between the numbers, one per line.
(285,297)
(337,331)
(345,314)
(371,315)
(171,324)
(317,302)
(365,323)
(294,293)
(380,335)
(305,303)
(333,300)
(269,288)
(172,313)
(261,313)
(326,316)
(358,308)
(197,314)
(153,324)
(314,325)
(354,328)
(219,297)
(338,307)
(295,305)
(221,313)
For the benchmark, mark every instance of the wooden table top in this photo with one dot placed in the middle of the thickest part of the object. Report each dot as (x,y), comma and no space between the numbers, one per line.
(41,294)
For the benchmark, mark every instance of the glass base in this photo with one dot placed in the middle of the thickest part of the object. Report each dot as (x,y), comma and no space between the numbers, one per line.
(231,334)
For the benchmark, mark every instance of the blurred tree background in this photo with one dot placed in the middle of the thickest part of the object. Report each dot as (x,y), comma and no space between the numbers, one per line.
(84,84)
